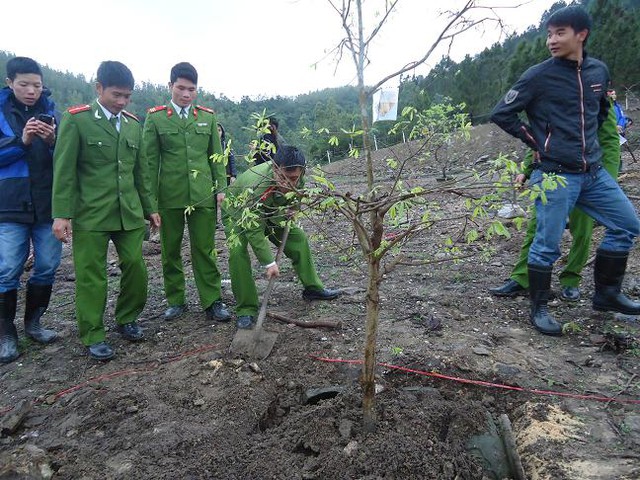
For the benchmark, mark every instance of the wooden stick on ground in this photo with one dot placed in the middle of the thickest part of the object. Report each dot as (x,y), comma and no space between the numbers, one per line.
(510,447)
(305,324)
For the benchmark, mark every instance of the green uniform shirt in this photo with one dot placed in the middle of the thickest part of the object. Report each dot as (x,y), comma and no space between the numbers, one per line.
(178,153)
(99,179)
(270,204)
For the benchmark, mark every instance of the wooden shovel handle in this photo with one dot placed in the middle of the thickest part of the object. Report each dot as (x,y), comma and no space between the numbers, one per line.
(265,299)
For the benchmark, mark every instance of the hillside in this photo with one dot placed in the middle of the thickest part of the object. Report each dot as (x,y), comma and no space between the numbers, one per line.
(486,142)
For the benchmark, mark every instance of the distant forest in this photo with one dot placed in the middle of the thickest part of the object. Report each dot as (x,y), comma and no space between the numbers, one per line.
(478,81)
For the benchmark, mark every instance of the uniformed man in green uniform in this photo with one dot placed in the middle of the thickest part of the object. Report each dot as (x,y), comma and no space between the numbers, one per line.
(99,189)
(178,141)
(263,190)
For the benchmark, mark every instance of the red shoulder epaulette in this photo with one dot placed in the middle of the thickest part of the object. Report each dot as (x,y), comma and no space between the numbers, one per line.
(159,108)
(78,109)
(130,115)
(206,109)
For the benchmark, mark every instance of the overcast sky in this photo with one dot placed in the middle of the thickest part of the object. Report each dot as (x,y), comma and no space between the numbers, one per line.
(239,47)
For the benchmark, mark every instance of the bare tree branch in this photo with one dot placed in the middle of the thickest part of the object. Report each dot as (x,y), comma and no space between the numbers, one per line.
(382,21)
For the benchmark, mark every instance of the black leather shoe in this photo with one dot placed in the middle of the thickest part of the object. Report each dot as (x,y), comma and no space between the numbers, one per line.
(324,294)
(570,294)
(131,331)
(174,311)
(101,351)
(217,312)
(245,322)
(510,288)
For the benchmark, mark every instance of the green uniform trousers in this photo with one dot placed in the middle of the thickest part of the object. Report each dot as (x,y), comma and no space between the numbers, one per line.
(90,262)
(202,229)
(242,283)
(581,228)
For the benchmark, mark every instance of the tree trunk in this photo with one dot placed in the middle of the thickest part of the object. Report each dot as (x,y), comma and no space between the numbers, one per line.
(373,293)
(377,229)
(371,331)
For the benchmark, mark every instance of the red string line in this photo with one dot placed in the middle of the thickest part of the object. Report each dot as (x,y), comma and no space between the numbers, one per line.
(482,383)
(155,364)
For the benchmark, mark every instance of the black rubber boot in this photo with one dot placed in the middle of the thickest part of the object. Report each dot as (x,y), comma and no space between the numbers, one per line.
(37,302)
(8,332)
(539,291)
(608,275)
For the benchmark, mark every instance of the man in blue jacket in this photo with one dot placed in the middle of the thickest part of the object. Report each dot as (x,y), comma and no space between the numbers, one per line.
(27,137)
(565,99)
(621,120)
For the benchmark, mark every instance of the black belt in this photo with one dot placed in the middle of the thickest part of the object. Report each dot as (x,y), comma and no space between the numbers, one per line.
(554,167)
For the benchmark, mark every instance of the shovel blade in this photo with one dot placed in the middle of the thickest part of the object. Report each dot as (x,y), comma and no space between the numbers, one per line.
(254,344)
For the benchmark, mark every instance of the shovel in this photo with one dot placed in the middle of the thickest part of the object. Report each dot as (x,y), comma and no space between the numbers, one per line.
(258,343)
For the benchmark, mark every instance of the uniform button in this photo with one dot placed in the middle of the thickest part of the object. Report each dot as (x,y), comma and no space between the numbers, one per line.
(99,144)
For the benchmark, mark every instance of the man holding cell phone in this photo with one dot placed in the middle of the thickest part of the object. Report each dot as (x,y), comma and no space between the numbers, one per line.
(27,138)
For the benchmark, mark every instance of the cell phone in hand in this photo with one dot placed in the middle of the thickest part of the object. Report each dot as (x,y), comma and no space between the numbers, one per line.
(43,117)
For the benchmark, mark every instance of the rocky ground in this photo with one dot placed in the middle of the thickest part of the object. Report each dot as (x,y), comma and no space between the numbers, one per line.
(455,363)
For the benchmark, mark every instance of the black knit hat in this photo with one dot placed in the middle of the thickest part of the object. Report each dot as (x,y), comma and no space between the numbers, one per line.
(289,157)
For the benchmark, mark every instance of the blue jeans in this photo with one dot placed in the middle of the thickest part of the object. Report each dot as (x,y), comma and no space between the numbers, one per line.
(14,250)
(600,197)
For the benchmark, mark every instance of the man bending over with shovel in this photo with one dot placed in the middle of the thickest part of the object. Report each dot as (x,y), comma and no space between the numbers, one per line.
(256,210)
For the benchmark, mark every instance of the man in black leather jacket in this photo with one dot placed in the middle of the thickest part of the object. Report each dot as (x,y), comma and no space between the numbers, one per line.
(565,99)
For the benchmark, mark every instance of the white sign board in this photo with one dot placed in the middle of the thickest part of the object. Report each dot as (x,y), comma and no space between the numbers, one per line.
(385,104)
